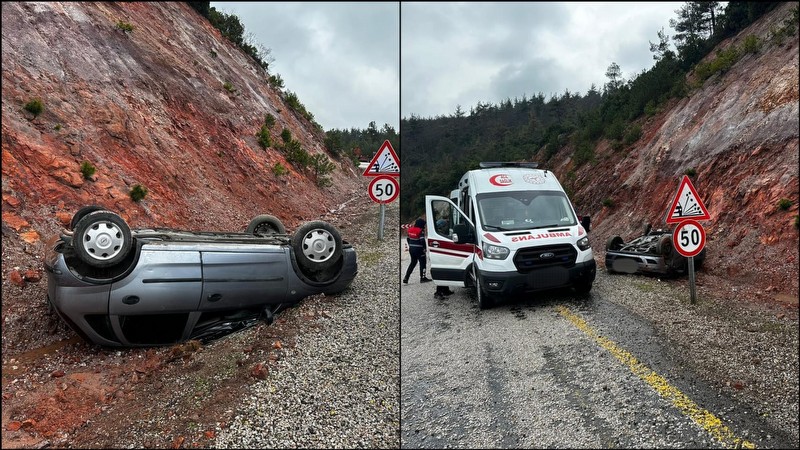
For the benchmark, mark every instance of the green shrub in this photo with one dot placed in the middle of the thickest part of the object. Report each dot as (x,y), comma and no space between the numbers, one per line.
(633,134)
(125,26)
(294,102)
(722,63)
(608,202)
(797,221)
(228,86)
(213,54)
(87,169)
(279,169)
(269,120)
(752,44)
(286,135)
(690,172)
(276,81)
(296,154)
(263,137)
(57,127)
(616,130)
(651,109)
(321,166)
(784,204)
(584,153)
(333,143)
(34,107)
(138,193)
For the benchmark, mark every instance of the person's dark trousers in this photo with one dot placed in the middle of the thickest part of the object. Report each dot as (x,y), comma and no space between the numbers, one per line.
(417,256)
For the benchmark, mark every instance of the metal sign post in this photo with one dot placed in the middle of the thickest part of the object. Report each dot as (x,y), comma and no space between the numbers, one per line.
(380,226)
(383,189)
(689,238)
(692,290)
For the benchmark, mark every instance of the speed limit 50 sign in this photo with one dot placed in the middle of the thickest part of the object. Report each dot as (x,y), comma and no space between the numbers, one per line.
(384,189)
(689,238)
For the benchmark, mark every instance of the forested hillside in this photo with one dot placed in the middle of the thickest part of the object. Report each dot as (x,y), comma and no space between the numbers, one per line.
(440,149)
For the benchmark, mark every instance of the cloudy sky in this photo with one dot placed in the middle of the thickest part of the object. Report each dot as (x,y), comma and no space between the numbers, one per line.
(341,59)
(464,53)
(353,63)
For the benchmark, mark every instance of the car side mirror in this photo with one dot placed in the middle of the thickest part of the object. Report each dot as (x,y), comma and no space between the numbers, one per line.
(463,234)
(586,221)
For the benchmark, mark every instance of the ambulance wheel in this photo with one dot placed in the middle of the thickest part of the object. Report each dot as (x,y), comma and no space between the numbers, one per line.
(484,301)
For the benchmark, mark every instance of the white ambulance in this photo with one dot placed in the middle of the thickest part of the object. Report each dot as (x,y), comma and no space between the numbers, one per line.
(508,229)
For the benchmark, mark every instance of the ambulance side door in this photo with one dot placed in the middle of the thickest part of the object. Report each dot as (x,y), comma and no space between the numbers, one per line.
(448,260)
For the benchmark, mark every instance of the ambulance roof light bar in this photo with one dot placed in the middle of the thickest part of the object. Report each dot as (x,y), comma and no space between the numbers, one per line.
(490,165)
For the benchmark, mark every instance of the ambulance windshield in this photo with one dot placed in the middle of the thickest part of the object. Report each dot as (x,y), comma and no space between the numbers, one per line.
(524,210)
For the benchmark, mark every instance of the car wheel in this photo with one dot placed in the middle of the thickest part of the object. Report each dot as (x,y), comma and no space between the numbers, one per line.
(484,301)
(317,246)
(102,239)
(83,212)
(614,243)
(265,225)
(664,247)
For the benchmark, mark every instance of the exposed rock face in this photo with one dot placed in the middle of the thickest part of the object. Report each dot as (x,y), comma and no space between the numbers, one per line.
(145,107)
(739,132)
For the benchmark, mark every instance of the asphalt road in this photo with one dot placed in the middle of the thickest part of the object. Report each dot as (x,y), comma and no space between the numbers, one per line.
(557,370)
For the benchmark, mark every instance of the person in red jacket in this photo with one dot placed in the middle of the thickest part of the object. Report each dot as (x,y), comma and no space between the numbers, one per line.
(416,248)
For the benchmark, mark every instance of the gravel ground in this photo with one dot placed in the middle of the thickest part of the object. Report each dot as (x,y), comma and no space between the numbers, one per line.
(746,349)
(339,385)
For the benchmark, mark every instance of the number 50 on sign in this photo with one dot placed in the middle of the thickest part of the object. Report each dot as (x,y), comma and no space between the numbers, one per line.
(689,238)
(384,189)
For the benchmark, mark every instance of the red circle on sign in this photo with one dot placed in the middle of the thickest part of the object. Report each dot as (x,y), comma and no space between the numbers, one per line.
(689,238)
(384,189)
(501,180)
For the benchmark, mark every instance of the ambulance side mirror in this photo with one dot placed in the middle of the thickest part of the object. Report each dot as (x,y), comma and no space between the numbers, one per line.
(586,221)
(463,234)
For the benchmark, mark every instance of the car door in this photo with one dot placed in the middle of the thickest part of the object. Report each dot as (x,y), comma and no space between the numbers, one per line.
(450,248)
(238,277)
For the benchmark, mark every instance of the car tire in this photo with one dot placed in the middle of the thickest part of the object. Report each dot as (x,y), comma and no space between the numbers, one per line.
(82,213)
(484,301)
(614,243)
(265,225)
(317,246)
(664,247)
(102,239)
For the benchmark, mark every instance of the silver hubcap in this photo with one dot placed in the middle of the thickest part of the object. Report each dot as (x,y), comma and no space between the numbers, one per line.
(318,245)
(103,241)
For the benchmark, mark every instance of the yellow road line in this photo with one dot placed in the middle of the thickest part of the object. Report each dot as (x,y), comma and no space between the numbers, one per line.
(702,417)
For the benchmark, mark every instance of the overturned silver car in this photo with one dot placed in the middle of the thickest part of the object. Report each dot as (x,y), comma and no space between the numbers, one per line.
(127,288)
(650,253)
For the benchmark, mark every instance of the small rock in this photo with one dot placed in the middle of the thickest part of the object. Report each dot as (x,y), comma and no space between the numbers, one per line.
(259,371)
(57,373)
(64,218)
(14,425)
(32,275)
(16,278)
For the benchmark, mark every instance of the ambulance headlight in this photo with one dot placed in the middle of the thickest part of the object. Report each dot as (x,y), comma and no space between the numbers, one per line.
(583,244)
(494,251)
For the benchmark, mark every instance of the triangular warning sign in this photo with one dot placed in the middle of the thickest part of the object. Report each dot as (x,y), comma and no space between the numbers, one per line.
(687,204)
(385,162)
